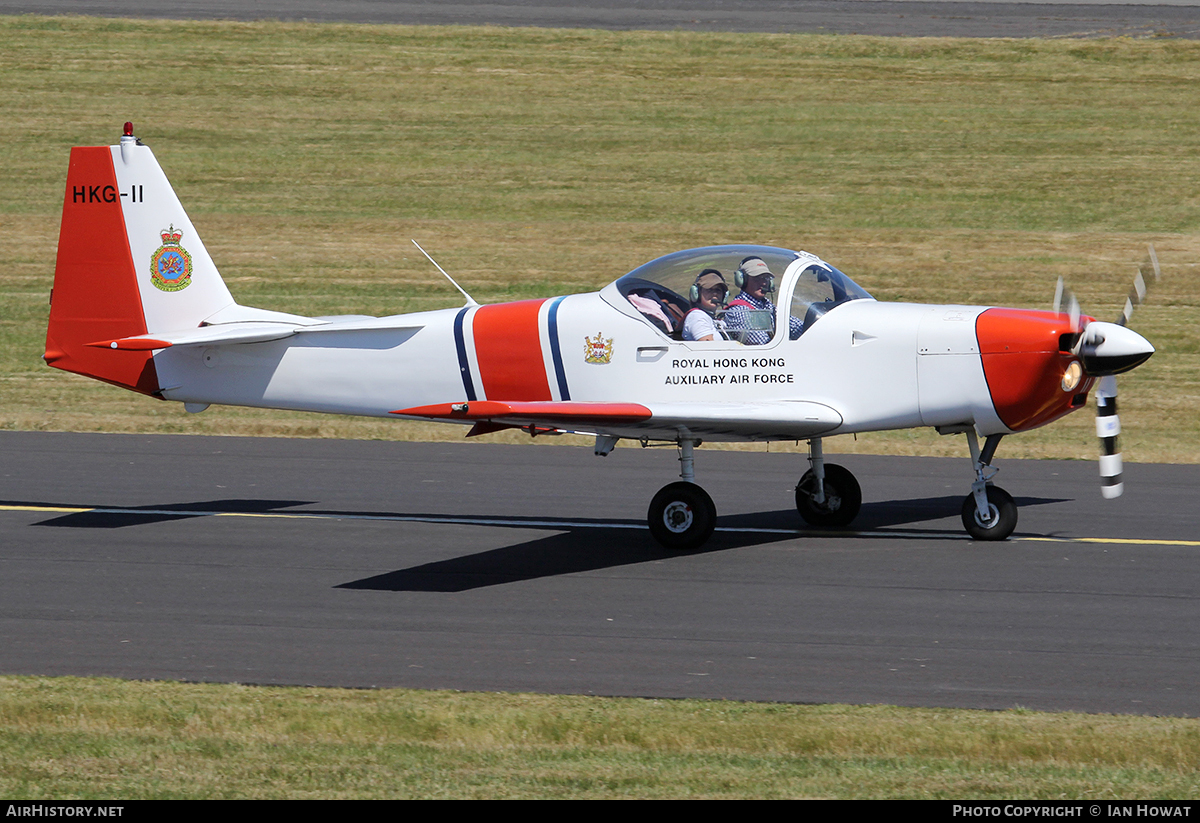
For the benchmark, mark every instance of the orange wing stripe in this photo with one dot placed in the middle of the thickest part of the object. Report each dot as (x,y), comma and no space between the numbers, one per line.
(577,412)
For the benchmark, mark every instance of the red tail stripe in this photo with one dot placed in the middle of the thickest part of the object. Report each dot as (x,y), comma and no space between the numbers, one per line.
(95,281)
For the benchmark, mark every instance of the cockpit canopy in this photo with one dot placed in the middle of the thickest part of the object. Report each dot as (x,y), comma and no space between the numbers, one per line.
(664,290)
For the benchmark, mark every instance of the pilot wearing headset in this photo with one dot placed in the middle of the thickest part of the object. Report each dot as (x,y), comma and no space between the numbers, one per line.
(747,312)
(708,293)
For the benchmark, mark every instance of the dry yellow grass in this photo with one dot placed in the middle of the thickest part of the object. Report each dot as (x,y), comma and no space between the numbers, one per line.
(71,737)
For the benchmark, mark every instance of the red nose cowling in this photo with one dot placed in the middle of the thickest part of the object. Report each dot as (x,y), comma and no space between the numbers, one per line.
(1025,354)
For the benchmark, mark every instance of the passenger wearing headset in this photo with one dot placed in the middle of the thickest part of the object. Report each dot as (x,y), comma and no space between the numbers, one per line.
(708,295)
(752,314)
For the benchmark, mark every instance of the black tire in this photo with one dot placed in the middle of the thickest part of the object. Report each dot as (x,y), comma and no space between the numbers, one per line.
(843,497)
(1003,512)
(682,516)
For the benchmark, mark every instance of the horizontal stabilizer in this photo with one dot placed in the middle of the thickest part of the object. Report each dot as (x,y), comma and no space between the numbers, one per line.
(203,336)
(228,334)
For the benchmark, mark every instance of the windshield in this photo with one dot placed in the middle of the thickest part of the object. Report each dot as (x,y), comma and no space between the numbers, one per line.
(820,288)
(729,293)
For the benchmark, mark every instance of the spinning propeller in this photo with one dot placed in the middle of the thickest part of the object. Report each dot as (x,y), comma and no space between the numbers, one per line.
(1106,350)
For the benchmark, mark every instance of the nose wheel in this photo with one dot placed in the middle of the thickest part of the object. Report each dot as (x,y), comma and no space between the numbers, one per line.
(999,521)
(682,516)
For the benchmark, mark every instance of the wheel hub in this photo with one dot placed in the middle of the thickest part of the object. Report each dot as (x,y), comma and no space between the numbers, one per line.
(832,501)
(992,516)
(678,517)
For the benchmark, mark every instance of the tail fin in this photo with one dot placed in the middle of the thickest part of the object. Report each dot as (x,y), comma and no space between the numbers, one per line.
(129,263)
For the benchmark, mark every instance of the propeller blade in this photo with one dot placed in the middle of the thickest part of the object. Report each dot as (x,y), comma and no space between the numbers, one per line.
(1109,349)
(1137,294)
(1064,295)
(1108,429)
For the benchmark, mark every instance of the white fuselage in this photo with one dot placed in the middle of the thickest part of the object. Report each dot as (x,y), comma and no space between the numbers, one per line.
(875,365)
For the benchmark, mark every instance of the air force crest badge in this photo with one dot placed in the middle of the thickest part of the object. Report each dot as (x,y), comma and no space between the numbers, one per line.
(171,265)
(597,349)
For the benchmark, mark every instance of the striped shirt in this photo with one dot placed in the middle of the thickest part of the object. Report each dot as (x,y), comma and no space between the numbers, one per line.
(738,318)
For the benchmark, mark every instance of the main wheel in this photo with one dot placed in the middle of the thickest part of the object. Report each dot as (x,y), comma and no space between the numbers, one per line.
(843,497)
(682,516)
(1001,520)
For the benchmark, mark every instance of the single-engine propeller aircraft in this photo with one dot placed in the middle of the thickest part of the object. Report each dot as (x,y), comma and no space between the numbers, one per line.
(802,353)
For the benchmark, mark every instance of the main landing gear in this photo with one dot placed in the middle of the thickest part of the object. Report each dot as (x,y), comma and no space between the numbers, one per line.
(827,496)
(682,515)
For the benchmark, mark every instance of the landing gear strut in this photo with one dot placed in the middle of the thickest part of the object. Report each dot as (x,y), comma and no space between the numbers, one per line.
(827,495)
(682,516)
(988,512)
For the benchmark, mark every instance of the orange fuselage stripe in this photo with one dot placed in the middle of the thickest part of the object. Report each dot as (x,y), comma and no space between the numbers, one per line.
(508,348)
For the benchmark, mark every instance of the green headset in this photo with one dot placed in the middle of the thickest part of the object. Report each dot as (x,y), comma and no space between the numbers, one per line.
(739,276)
(694,291)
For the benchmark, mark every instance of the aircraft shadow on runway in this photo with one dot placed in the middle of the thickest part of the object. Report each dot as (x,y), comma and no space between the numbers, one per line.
(576,545)
(115,517)
(592,547)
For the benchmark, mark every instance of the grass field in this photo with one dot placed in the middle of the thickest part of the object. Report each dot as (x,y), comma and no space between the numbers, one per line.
(71,738)
(539,162)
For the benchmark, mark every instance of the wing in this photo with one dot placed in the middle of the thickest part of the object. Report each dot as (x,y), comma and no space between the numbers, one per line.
(775,420)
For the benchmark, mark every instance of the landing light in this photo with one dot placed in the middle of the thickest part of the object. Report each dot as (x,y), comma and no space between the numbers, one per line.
(1072,376)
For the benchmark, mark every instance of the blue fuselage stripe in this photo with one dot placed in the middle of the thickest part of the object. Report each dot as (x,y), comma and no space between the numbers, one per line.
(556,350)
(464,365)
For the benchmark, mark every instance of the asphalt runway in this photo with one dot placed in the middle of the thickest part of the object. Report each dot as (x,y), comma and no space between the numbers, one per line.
(527,568)
(911,18)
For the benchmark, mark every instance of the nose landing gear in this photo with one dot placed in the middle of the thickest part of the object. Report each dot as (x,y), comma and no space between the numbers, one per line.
(988,512)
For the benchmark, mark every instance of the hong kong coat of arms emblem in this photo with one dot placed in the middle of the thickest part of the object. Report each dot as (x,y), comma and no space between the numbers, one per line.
(597,349)
(171,265)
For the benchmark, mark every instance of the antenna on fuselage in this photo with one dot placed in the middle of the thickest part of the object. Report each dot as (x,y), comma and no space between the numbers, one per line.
(470,299)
